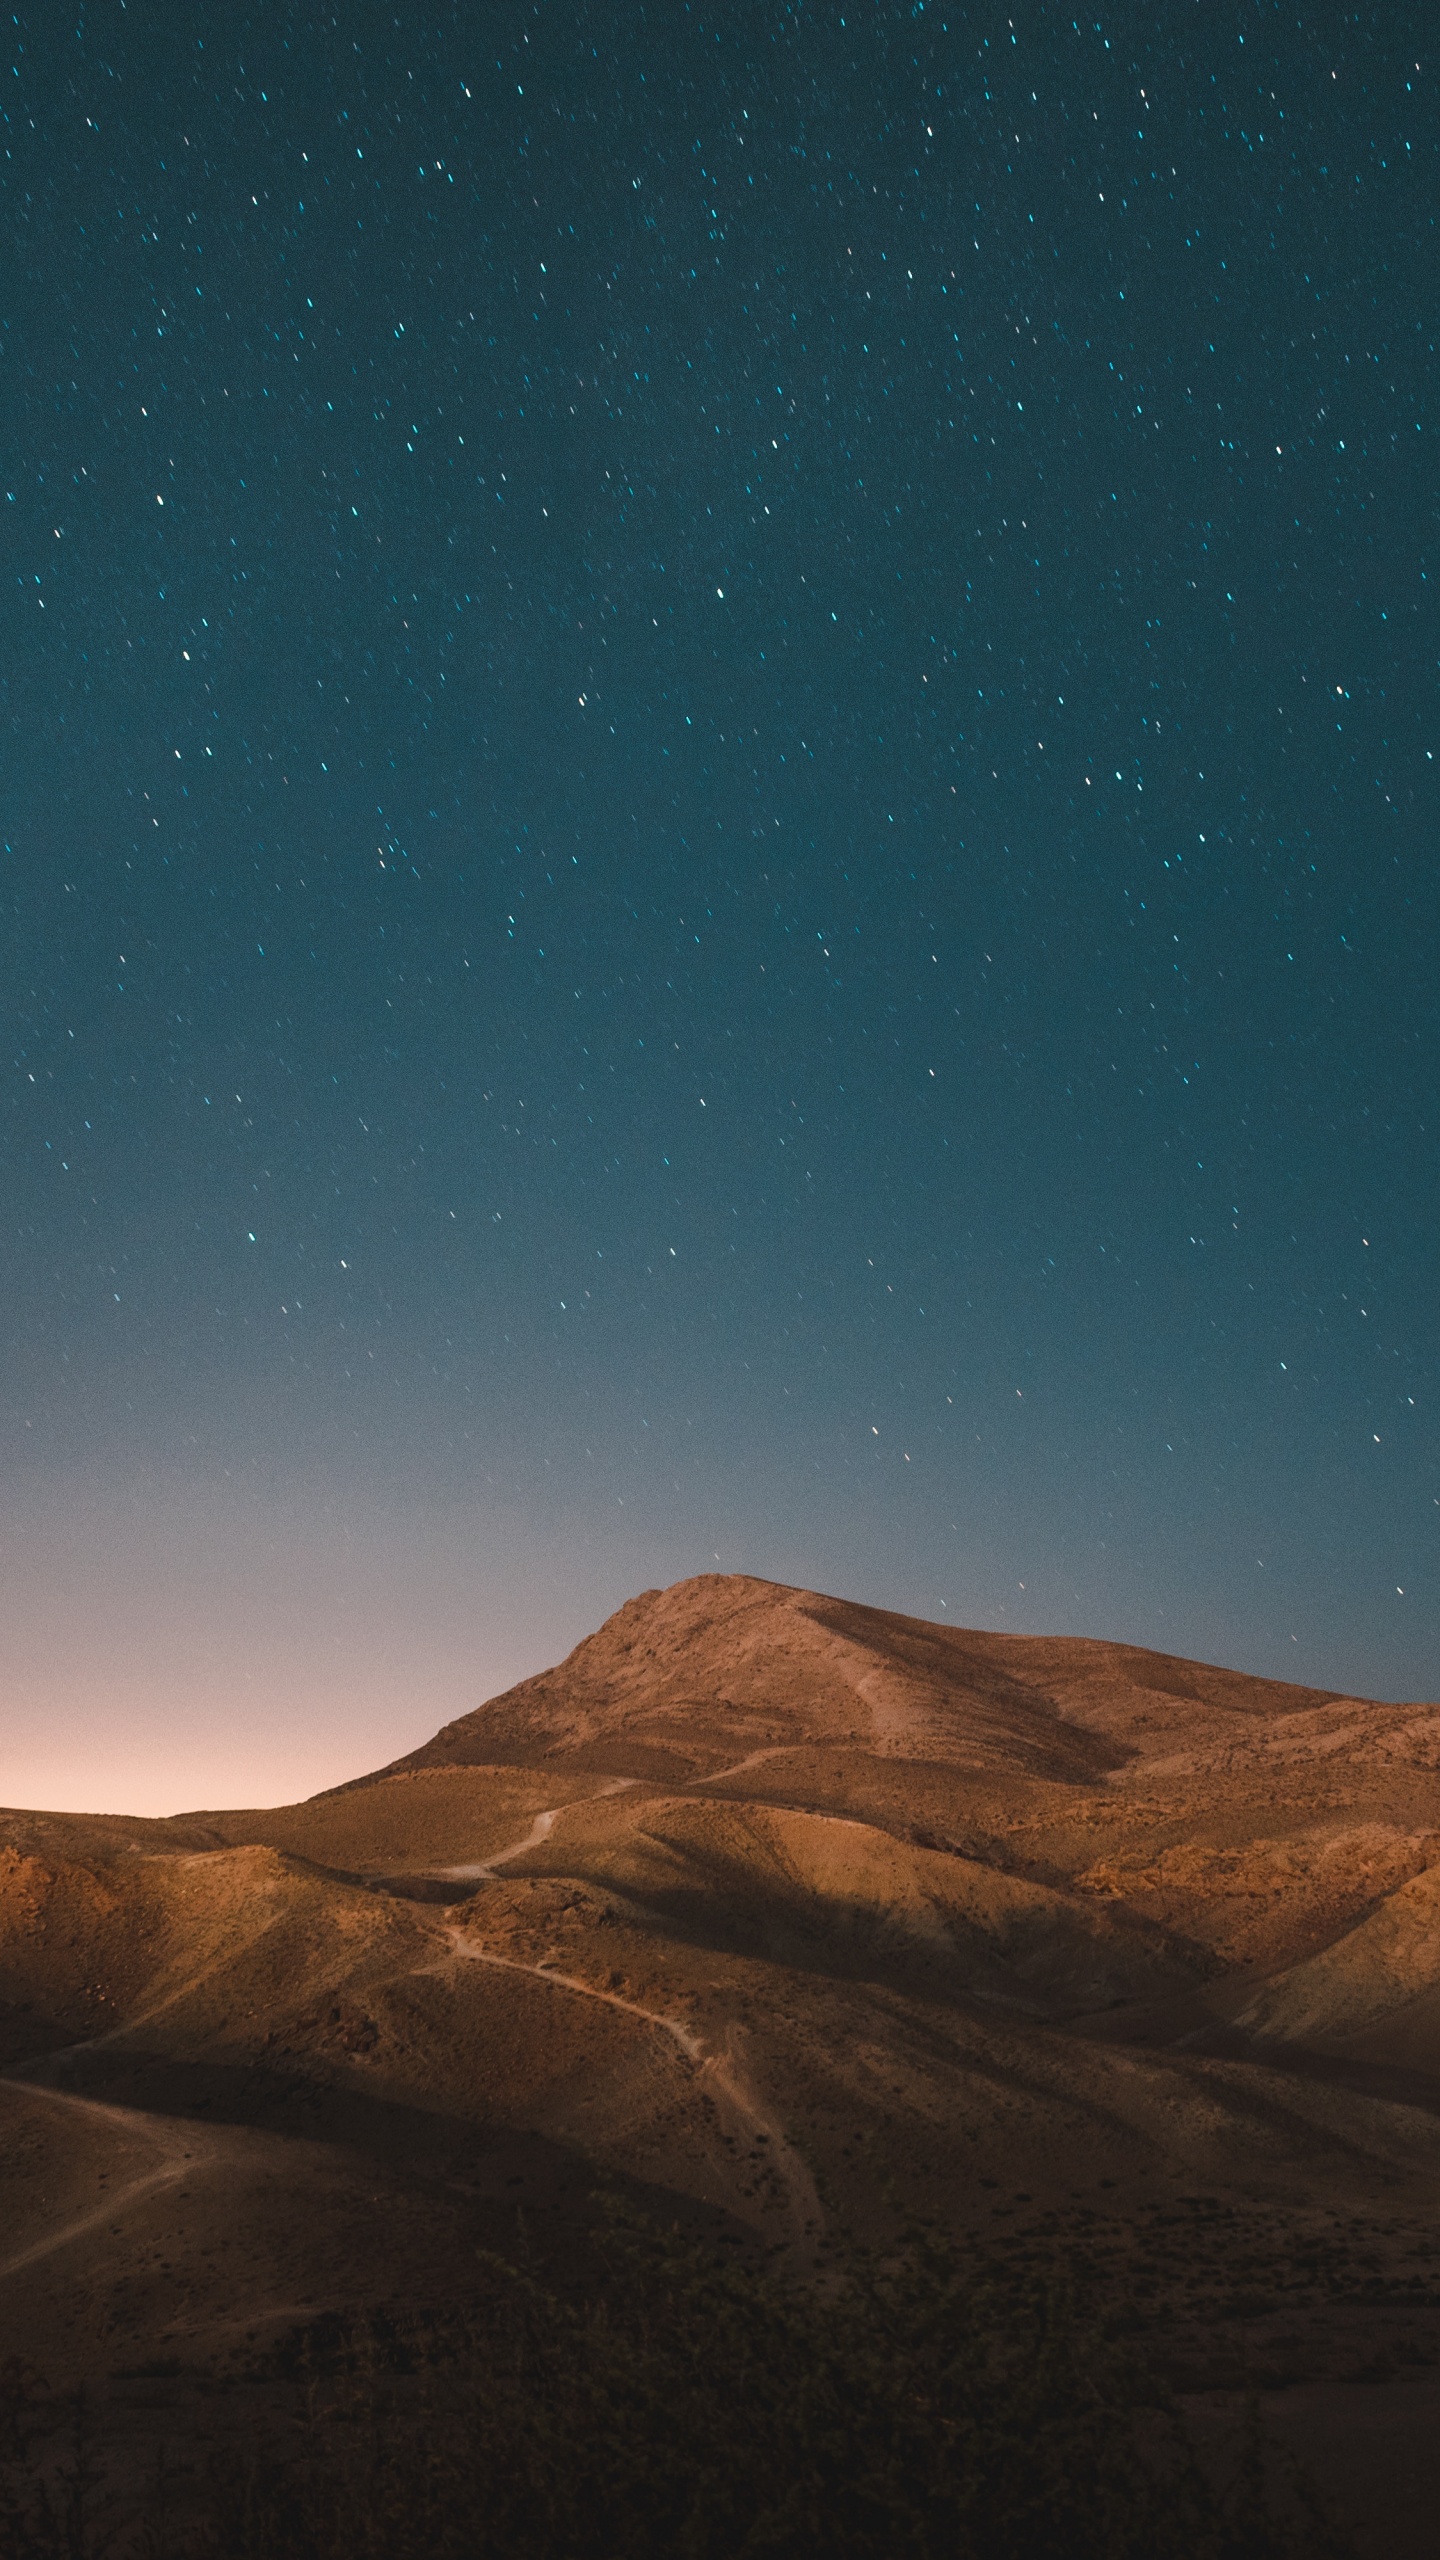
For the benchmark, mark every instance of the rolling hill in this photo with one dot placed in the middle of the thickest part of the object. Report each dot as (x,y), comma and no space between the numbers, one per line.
(794,1922)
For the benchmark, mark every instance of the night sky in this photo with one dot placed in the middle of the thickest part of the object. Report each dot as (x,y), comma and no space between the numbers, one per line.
(719,825)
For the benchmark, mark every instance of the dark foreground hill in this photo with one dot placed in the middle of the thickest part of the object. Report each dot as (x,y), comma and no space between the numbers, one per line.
(794,1925)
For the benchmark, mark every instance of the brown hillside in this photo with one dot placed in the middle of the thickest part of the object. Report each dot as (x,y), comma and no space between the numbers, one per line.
(680,1681)
(786,1917)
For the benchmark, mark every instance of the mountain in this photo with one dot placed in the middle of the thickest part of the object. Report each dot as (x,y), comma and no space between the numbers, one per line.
(787,1919)
(680,1682)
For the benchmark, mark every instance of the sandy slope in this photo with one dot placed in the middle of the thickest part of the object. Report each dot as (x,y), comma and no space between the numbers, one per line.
(789,1916)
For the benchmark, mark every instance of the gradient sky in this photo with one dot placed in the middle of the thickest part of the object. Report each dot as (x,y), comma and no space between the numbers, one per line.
(719,824)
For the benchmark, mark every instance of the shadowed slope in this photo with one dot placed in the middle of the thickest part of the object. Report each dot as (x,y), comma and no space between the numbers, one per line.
(790,1916)
(679,1682)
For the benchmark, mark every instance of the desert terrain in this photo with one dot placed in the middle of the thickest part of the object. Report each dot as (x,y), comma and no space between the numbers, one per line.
(797,1924)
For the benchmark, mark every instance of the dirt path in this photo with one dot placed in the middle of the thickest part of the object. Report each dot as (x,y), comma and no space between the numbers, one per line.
(478,1868)
(540,1829)
(183,2149)
(465,1947)
(752,1760)
(725,2078)
(727,2081)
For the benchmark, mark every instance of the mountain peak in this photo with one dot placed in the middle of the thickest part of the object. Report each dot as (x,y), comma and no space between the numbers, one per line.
(683,1682)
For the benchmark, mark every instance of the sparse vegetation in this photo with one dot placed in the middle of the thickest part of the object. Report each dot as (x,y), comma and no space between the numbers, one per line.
(780,1917)
(701,2411)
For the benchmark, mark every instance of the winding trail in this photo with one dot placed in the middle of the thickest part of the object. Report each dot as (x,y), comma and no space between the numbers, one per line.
(540,1829)
(183,2148)
(689,2045)
(186,2150)
(752,1760)
(727,2083)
